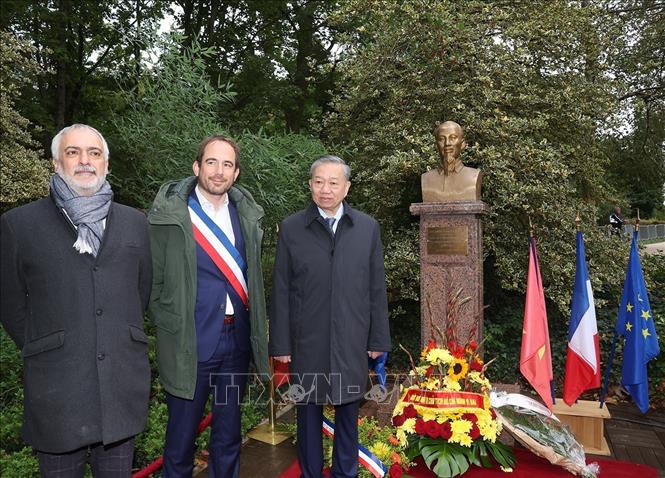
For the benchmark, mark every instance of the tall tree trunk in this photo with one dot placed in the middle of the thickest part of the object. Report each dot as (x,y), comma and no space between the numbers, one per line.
(61,68)
(137,41)
(305,38)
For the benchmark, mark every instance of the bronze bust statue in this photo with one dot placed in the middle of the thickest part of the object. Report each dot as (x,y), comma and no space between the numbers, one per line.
(451,181)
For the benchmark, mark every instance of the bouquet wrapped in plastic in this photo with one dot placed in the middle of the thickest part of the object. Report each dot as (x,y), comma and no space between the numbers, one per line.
(539,430)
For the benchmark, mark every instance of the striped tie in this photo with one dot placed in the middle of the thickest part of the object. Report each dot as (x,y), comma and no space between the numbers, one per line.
(330,221)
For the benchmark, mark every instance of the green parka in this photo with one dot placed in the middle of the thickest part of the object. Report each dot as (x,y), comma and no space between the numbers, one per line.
(173,296)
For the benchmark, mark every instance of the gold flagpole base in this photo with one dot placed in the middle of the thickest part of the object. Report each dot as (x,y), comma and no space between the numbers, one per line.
(266,433)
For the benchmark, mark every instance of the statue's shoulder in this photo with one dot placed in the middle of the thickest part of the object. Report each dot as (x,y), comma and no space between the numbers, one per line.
(472,173)
(433,173)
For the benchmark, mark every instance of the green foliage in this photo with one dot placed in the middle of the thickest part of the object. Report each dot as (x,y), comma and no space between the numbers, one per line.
(526,82)
(11,395)
(172,110)
(447,459)
(19,464)
(278,54)
(169,112)
(15,458)
(83,49)
(24,174)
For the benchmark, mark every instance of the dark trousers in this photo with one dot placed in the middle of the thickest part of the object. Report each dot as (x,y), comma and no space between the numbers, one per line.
(345,444)
(225,375)
(110,461)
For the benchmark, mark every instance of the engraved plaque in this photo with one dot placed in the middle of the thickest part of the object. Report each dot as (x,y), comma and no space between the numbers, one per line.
(448,240)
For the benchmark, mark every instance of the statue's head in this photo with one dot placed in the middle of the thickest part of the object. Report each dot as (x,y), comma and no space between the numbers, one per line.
(449,142)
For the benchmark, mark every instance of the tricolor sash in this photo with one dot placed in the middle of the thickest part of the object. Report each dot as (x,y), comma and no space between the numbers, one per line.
(219,248)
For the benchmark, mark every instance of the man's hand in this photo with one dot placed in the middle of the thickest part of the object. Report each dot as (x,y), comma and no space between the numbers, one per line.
(372,355)
(283,358)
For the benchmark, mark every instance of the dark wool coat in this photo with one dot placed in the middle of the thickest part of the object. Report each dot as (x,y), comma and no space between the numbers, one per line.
(329,304)
(78,321)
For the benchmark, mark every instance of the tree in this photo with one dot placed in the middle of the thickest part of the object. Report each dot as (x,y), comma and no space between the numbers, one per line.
(638,60)
(24,174)
(278,55)
(529,84)
(83,47)
(171,110)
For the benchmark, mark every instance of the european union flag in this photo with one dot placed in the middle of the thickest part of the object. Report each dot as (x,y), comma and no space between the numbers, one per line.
(636,324)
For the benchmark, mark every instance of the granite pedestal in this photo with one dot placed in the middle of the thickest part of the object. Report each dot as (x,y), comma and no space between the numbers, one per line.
(451,258)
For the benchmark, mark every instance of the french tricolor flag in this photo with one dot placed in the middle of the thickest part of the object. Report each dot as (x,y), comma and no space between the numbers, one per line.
(583,357)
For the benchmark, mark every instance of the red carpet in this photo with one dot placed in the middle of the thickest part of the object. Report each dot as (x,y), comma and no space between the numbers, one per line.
(528,466)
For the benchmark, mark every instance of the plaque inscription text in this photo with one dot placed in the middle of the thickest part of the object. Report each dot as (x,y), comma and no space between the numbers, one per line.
(448,240)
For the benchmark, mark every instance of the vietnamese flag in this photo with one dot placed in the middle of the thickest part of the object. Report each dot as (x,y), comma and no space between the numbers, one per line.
(535,356)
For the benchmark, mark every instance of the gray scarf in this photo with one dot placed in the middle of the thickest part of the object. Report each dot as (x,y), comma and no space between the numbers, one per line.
(87,213)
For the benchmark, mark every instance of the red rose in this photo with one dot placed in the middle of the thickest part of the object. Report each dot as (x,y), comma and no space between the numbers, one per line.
(395,470)
(445,431)
(452,345)
(473,345)
(410,412)
(420,426)
(398,420)
(476,366)
(475,432)
(470,416)
(431,345)
(432,428)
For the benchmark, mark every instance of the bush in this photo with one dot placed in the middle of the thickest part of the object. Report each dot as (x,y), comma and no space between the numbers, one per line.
(24,174)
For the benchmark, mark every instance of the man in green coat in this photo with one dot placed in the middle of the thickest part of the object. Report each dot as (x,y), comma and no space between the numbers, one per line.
(207,303)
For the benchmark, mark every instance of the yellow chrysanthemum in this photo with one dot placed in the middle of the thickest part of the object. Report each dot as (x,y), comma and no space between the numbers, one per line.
(475,377)
(439,356)
(458,369)
(464,440)
(401,436)
(382,451)
(432,383)
(428,413)
(489,432)
(451,384)
(484,418)
(458,427)
(409,425)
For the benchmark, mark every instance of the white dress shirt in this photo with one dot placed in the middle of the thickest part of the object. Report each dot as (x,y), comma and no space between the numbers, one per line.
(337,216)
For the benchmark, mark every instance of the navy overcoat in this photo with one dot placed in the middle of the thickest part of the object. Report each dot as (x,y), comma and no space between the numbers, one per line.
(329,304)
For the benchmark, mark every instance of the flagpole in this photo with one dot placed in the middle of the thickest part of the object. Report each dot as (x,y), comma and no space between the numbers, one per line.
(606,379)
(530,226)
(532,245)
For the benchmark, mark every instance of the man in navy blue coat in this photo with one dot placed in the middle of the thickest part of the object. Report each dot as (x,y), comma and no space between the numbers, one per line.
(329,312)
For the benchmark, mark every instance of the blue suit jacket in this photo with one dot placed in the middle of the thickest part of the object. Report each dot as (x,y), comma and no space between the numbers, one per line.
(211,292)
